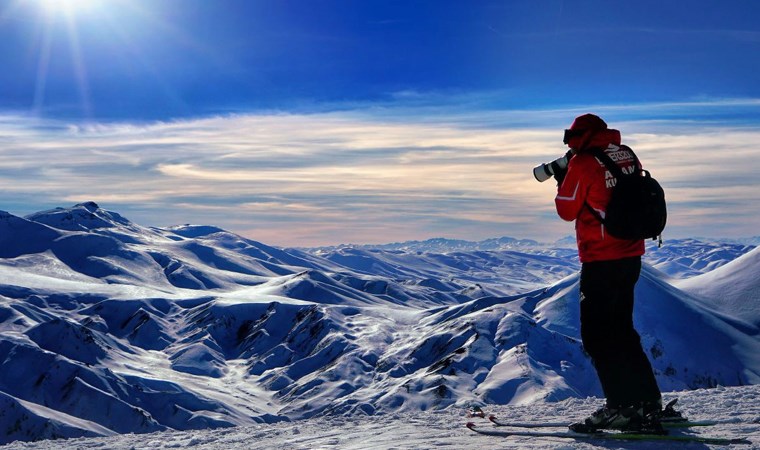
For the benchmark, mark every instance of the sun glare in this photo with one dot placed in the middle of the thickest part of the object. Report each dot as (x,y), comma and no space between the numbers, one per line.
(65,16)
(72,34)
(69,7)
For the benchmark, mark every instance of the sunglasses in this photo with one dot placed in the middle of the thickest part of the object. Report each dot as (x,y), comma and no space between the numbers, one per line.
(569,134)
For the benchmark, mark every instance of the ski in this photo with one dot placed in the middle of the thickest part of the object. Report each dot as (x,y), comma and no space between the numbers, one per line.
(604,435)
(674,420)
(665,424)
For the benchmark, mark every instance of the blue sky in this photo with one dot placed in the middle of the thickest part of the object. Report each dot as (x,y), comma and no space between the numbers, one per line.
(320,122)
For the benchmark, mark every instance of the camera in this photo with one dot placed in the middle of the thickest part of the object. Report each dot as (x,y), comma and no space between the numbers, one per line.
(543,172)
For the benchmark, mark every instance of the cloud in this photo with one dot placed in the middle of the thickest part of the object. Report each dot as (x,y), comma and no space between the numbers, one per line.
(375,175)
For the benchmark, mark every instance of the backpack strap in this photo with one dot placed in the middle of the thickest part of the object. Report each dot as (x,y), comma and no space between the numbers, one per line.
(602,156)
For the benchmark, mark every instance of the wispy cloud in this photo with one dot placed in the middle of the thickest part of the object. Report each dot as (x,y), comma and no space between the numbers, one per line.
(376,175)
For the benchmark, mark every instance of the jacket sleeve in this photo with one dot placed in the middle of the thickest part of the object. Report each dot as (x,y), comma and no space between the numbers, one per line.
(571,194)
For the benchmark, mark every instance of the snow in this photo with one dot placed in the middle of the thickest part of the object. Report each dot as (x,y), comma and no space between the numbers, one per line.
(737,409)
(191,336)
(728,288)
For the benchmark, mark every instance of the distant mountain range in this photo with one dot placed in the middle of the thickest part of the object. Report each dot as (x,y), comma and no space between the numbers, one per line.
(677,257)
(110,327)
(444,245)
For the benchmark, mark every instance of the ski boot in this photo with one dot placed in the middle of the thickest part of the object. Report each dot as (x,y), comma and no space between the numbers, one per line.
(627,419)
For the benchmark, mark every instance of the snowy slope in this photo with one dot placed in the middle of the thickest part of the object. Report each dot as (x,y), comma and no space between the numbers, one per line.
(110,327)
(735,408)
(684,258)
(732,289)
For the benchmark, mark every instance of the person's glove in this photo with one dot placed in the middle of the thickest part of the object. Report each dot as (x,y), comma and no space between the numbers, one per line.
(559,171)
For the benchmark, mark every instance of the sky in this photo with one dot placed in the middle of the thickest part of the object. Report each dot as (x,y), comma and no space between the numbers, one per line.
(320,122)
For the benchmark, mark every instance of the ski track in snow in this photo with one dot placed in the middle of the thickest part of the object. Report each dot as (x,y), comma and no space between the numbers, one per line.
(737,408)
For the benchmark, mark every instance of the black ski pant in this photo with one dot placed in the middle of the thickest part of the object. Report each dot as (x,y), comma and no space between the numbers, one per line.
(608,333)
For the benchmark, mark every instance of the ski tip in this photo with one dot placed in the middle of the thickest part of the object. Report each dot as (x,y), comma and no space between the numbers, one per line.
(470,425)
(492,418)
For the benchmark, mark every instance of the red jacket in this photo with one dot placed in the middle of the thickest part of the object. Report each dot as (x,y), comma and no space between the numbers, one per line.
(589,182)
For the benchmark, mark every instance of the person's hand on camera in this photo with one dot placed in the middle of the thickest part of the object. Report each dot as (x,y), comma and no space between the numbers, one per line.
(560,172)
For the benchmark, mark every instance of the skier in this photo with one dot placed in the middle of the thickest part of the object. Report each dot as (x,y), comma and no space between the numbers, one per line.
(609,271)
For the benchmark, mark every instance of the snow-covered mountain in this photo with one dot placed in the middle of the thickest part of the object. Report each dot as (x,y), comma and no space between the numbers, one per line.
(730,289)
(108,327)
(685,258)
(443,245)
(679,258)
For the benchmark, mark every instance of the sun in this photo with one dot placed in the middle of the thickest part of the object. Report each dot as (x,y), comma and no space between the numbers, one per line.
(80,43)
(65,19)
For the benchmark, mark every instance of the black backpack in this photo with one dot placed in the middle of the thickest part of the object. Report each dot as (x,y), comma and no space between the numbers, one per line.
(637,205)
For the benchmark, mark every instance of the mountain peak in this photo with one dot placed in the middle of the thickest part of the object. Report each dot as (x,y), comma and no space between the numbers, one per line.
(80,217)
(89,206)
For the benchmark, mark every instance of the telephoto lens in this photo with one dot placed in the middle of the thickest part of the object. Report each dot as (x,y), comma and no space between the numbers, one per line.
(543,172)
